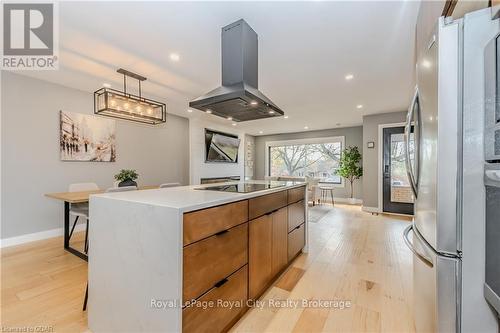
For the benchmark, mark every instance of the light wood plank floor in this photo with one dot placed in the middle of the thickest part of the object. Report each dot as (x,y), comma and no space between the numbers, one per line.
(354,257)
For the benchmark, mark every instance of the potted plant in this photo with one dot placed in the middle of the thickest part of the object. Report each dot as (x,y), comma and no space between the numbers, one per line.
(126,177)
(349,167)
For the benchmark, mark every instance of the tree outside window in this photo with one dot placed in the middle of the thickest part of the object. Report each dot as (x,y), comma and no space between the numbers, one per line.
(318,160)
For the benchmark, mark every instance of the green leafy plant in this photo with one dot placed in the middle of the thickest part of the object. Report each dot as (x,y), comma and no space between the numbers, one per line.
(126,174)
(349,165)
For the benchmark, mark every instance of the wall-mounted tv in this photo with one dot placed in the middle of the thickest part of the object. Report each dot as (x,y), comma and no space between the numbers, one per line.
(221,147)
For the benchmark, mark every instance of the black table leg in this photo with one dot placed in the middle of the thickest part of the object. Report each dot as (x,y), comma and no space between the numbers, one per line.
(66,235)
(66,224)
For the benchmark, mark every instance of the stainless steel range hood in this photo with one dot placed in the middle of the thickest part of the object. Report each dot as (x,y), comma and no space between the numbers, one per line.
(238,97)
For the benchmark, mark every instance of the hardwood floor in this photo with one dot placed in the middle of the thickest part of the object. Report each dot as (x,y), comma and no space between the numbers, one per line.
(354,257)
(43,285)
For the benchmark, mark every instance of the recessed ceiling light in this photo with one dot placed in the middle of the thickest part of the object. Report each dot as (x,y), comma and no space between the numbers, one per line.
(306,127)
(189,110)
(253,102)
(271,111)
(234,124)
(349,77)
(359,106)
(229,118)
(174,57)
(286,117)
(209,111)
(260,132)
(106,85)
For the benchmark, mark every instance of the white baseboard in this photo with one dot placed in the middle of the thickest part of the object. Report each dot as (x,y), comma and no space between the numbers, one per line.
(347,200)
(370,209)
(18,240)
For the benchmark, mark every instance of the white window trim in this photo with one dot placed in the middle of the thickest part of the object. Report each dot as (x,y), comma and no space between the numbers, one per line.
(329,139)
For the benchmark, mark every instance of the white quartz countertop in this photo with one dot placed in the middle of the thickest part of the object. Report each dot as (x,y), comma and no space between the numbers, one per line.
(188,198)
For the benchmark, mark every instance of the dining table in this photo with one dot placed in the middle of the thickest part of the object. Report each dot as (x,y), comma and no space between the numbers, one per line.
(76,198)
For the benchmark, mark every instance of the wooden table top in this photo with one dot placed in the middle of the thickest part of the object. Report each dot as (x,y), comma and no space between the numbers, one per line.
(79,197)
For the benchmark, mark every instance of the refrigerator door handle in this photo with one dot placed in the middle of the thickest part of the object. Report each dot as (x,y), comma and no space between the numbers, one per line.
(408,243)
(407,131)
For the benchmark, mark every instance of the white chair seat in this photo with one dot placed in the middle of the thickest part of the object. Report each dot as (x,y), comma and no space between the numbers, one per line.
(79,210)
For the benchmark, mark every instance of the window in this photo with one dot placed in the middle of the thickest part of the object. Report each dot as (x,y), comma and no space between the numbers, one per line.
(318,158)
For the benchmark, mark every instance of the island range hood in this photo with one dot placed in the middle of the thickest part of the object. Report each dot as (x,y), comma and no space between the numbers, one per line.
(238,98)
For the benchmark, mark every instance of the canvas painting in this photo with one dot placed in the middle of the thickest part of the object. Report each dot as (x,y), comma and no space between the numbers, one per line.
(87,138)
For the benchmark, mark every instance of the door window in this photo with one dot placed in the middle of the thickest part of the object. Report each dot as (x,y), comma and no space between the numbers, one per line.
(400,185)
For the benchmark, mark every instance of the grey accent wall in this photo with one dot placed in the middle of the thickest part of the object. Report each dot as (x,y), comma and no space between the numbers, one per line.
(30,153)
(370,156)
(353,137)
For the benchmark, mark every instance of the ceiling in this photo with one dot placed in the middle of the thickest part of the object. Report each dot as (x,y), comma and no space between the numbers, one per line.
(305,51)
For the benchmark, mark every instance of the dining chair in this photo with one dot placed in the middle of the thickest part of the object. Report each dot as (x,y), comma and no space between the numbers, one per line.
(81,209)
(167,185)
(312,189)
(109,190)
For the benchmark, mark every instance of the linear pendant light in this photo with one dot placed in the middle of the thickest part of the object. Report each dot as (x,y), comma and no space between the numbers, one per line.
(120,104)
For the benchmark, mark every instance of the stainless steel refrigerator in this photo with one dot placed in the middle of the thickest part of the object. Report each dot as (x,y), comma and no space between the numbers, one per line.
(447,234)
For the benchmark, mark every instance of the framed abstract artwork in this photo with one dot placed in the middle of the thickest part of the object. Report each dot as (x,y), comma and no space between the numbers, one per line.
(86,138)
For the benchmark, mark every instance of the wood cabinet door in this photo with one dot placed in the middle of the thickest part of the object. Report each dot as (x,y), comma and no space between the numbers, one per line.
(259,255)
(279,243)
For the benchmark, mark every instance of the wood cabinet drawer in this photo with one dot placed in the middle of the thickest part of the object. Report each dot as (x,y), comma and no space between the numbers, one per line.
(296,241)
(296,215)
(296,194)
(266,203)
(210,260)
(218,318)
(206,222)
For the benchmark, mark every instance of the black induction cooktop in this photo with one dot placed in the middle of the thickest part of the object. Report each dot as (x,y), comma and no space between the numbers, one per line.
(241,187)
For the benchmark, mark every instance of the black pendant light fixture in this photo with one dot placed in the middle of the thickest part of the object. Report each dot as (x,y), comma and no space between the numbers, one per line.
(120,104)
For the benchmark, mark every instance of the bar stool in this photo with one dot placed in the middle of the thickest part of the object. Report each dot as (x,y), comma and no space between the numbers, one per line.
(324,193)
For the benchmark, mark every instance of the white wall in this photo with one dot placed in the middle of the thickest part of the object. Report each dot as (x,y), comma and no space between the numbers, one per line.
(198,167)
(30,163)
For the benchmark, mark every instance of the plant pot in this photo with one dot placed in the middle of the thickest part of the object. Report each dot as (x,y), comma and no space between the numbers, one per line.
(351,201)
(127,182)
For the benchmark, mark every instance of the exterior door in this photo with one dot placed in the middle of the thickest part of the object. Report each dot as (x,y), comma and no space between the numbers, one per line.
(397,193)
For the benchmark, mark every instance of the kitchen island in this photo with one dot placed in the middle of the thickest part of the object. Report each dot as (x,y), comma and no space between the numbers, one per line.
(188,259)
